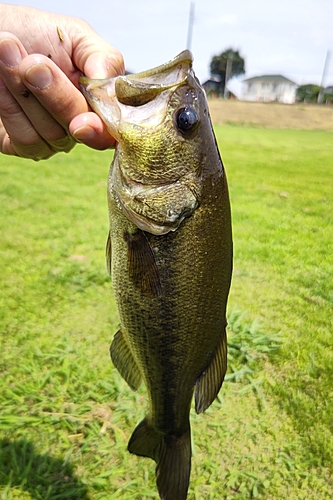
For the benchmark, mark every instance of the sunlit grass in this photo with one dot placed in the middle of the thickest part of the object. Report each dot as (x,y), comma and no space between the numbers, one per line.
(66,414)
(282,196)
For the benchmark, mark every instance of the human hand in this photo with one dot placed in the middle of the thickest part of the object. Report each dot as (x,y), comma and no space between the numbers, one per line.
(42,56)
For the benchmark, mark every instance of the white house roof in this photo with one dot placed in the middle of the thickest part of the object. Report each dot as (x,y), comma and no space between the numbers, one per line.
(270,79)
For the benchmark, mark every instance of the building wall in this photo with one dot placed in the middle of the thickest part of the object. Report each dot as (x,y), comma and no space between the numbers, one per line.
(258,91)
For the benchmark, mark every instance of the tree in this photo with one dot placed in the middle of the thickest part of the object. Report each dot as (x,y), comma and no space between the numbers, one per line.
(308,93)
(227,65)
(328,97)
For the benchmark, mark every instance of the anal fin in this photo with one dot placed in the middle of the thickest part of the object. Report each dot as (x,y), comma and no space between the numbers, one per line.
(172,453)
(145,441)
(123,360)
(210,382)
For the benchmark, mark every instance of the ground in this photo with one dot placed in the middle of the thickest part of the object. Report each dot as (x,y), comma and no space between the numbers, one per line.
(272,115)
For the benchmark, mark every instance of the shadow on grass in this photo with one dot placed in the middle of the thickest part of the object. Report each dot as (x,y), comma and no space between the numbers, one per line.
(42,476)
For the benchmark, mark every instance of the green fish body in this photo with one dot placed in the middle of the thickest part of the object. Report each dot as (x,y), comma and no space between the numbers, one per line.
(169,253)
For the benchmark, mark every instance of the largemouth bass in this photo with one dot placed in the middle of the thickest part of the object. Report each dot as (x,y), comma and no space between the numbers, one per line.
(169,253)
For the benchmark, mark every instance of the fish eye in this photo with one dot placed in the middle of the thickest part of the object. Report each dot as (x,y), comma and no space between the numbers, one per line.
(187,120)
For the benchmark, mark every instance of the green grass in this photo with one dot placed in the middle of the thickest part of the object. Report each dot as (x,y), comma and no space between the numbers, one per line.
(282,196)
(66,414)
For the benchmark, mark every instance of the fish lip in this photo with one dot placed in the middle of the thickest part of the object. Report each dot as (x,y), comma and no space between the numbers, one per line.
(110,112)
(140,88)
(183,57)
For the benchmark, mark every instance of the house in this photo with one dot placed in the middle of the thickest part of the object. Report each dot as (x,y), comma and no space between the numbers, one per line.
(215,88)
(328,90)
(269,88)
(328,95)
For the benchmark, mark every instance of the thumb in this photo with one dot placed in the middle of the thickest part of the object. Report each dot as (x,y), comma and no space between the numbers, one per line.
(104,64)
(95,57)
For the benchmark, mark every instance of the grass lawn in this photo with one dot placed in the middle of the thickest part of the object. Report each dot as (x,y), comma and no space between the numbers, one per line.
(66,414)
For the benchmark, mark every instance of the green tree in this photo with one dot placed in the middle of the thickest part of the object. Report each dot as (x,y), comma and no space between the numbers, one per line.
(308,93)
(328,98)
(227,65)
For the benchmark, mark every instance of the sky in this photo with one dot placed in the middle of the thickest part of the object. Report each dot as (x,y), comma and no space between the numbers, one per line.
(288,37)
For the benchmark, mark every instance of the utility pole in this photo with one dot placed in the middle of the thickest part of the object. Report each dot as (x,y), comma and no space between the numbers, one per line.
(321,92)
(227,77)
(190,26)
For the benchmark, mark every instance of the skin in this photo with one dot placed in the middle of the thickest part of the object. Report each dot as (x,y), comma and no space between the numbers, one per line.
(42,56)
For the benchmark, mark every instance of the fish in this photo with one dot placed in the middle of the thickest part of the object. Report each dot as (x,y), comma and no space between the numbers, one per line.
(169,254)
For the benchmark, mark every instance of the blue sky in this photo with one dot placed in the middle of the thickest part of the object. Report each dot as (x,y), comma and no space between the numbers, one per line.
(289,37)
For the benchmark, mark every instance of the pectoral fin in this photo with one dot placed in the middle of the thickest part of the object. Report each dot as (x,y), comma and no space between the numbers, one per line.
(123,360)
(210,382)
(142,265)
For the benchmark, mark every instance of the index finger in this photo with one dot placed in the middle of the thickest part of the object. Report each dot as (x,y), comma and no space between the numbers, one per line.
(93,55)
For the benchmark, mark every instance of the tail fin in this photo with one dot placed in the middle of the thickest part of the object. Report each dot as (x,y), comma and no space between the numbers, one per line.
(172,455)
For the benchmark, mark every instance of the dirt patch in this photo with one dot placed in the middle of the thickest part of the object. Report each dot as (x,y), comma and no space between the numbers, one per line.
(272,115)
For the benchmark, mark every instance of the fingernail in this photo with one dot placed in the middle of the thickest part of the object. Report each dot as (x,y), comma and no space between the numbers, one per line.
(10,54)
(83,134)
(39,76)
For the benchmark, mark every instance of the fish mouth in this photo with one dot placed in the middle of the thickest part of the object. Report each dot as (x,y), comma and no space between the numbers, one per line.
(109,97)
(140,88)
